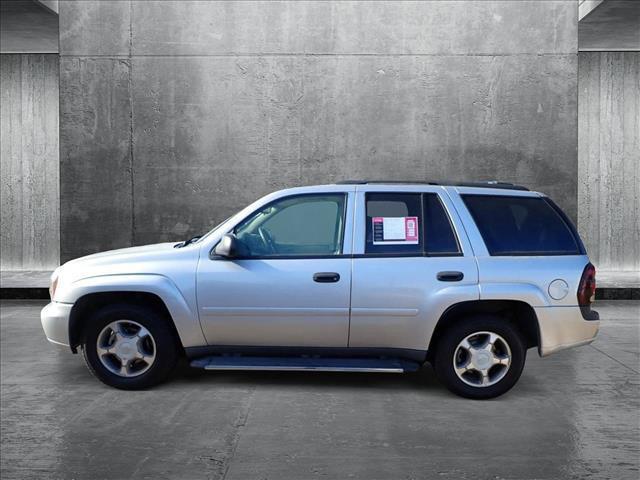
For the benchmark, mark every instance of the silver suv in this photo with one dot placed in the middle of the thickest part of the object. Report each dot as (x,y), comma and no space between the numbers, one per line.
(357,276)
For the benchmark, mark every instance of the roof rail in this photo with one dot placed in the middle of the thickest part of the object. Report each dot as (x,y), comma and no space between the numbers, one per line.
(491,184)
(391,182)
(485,184)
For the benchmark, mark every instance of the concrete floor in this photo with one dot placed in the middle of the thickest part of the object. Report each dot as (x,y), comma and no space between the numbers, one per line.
(573,415)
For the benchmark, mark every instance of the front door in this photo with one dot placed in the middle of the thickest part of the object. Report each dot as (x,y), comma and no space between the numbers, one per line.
(291,286)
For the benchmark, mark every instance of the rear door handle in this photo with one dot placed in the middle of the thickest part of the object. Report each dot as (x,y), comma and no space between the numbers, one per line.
(450,276)
(326,277)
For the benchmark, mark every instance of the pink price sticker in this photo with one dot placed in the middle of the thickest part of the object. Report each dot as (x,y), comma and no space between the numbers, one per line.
(411,229)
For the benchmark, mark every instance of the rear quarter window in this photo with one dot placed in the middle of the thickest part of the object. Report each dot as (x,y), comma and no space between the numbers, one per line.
(439,236)
(513,225)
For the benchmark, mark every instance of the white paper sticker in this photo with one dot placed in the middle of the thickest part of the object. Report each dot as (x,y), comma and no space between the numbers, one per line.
(395,231)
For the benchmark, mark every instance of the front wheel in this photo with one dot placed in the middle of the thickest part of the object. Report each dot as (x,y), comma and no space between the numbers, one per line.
(480,357)
(129,347)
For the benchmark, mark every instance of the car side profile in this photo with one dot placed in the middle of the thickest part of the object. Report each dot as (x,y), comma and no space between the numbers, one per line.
(358,276)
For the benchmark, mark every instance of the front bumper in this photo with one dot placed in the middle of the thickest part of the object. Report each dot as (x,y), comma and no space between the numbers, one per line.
(55,322)
(564,327)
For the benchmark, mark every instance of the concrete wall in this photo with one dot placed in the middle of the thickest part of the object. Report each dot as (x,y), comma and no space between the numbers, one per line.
(609,158)
(30,227)
(176,114)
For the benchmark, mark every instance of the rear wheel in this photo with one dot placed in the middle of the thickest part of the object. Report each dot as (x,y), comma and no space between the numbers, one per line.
(480,357)
(129,347)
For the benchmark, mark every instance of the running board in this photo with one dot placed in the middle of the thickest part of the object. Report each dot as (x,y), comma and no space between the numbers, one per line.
(379,365)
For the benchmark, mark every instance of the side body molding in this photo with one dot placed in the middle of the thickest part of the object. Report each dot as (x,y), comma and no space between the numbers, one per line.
(184,316)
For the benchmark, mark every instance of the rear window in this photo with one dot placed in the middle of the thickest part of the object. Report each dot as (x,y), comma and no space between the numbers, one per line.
(521,226)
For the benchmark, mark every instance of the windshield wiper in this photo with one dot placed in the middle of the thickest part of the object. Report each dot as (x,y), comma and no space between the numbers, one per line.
(187,242)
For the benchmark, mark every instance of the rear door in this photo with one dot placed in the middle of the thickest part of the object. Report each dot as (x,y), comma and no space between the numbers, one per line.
(411,261)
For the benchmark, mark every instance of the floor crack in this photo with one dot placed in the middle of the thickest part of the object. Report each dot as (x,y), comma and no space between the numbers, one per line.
(241,422)
(614,359)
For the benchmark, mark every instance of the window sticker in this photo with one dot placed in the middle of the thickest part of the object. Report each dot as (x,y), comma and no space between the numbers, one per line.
(395,230)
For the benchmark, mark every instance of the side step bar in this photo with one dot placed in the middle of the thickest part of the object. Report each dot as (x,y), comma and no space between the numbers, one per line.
(380,365)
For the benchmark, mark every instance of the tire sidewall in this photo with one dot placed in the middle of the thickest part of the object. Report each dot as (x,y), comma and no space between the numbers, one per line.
(165,345)
(449,342)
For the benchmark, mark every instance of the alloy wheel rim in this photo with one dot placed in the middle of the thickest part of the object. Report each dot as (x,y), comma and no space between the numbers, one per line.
(482,359)
(126,348)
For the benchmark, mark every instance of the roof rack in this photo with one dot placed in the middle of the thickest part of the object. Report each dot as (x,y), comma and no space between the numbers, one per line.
(485,184)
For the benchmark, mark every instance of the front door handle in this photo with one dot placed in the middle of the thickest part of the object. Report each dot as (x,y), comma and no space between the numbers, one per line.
(326,277)
(450,276)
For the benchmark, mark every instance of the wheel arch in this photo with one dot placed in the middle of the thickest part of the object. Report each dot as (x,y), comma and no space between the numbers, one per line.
(159,290)
(518,313)
(89,303)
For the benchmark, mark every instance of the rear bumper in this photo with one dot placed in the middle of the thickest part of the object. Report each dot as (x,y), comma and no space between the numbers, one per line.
(562,328)
(55,322)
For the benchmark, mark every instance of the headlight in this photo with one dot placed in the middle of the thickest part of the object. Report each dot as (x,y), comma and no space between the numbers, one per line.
(53,285)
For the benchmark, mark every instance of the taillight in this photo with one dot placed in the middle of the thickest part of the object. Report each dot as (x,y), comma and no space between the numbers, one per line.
(587,286)
(53,286)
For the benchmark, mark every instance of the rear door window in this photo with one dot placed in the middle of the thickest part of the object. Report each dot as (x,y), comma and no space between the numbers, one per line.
(394,223)
(410,224)
(513,225)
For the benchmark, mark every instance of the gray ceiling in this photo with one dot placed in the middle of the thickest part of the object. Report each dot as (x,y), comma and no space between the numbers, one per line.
(30,26)
(27,26)
(612,25)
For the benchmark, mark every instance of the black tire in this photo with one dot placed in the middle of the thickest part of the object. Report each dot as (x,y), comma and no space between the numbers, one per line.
(447,346)
(166,348)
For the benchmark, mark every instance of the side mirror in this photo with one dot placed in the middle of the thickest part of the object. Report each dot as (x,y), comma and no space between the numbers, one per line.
(228,246)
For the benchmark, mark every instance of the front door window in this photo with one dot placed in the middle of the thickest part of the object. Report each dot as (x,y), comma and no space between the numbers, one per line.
(302,225)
